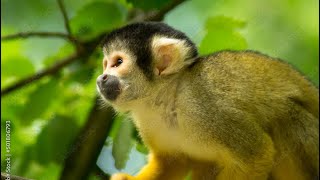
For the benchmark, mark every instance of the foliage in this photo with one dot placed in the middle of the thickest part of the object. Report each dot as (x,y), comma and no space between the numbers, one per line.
(84,24)
(46,115)
(147,5)
(222,31)
(122,143)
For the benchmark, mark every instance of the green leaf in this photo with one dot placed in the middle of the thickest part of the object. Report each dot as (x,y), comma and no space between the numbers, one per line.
(37,15)
(81,73)
(136,160)
(10,109)
(16,67)
(142,148)
(116,126)
(54,140)
(64,51)
(14,103)
(122,144)
(39,100)
(51,172)
(96,18)
(25,160)
(147,5)
(222,34)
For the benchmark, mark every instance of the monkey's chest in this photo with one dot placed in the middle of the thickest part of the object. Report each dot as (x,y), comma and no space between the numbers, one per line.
(164,137)
(158,132)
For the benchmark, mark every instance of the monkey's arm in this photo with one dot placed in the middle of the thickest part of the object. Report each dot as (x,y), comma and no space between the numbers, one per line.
(159,167)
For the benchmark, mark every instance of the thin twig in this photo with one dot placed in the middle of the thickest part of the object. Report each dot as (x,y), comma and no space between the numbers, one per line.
(158,16)
(65,16)
(84,50)
(35,34)
(51,70)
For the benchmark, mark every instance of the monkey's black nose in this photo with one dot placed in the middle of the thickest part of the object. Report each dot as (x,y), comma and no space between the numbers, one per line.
(102,77)
(109,86)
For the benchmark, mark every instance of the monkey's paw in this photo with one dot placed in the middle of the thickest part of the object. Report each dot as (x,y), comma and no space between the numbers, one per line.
(121,176)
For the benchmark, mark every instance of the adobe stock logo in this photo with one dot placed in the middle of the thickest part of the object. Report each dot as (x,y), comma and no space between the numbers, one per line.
(8,150)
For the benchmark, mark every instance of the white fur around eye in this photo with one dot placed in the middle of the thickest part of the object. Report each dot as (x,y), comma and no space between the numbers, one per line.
(119,69)
(115,61)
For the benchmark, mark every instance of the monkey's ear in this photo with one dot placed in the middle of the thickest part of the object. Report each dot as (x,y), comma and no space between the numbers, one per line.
(170,55)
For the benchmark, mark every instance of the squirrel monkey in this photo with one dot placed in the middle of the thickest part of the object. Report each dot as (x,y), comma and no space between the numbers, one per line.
(228,115)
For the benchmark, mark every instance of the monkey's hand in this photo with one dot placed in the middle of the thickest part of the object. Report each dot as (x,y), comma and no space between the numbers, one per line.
(158,168)
(121,176)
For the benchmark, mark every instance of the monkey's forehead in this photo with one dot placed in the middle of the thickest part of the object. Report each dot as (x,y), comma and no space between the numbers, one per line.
(115,45)
(141,33)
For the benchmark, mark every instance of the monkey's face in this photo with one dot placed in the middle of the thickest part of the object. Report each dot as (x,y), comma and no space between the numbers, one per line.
(137,57)
(122,81)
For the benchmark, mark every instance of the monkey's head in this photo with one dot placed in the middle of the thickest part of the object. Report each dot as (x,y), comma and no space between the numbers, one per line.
(139,56)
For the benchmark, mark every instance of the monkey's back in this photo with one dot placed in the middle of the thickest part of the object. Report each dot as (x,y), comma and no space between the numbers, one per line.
(251,92)
(256,79)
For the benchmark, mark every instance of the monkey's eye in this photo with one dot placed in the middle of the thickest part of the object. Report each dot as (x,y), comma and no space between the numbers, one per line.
(118,62)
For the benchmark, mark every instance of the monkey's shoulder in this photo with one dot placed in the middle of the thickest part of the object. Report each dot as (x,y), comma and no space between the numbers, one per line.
(247,70)
(242,57)
(247,64)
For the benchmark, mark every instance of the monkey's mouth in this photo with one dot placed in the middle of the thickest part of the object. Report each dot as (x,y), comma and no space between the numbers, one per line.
(109,86)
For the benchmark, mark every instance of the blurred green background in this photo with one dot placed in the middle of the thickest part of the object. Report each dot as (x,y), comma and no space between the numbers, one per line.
(46,115)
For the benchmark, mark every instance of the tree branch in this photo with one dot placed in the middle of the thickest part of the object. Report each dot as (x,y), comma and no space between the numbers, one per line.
(65,16)
(35,34)
(47,34)
(83,51)
(12,177)
(86,148)
(51,70)
(158,16)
